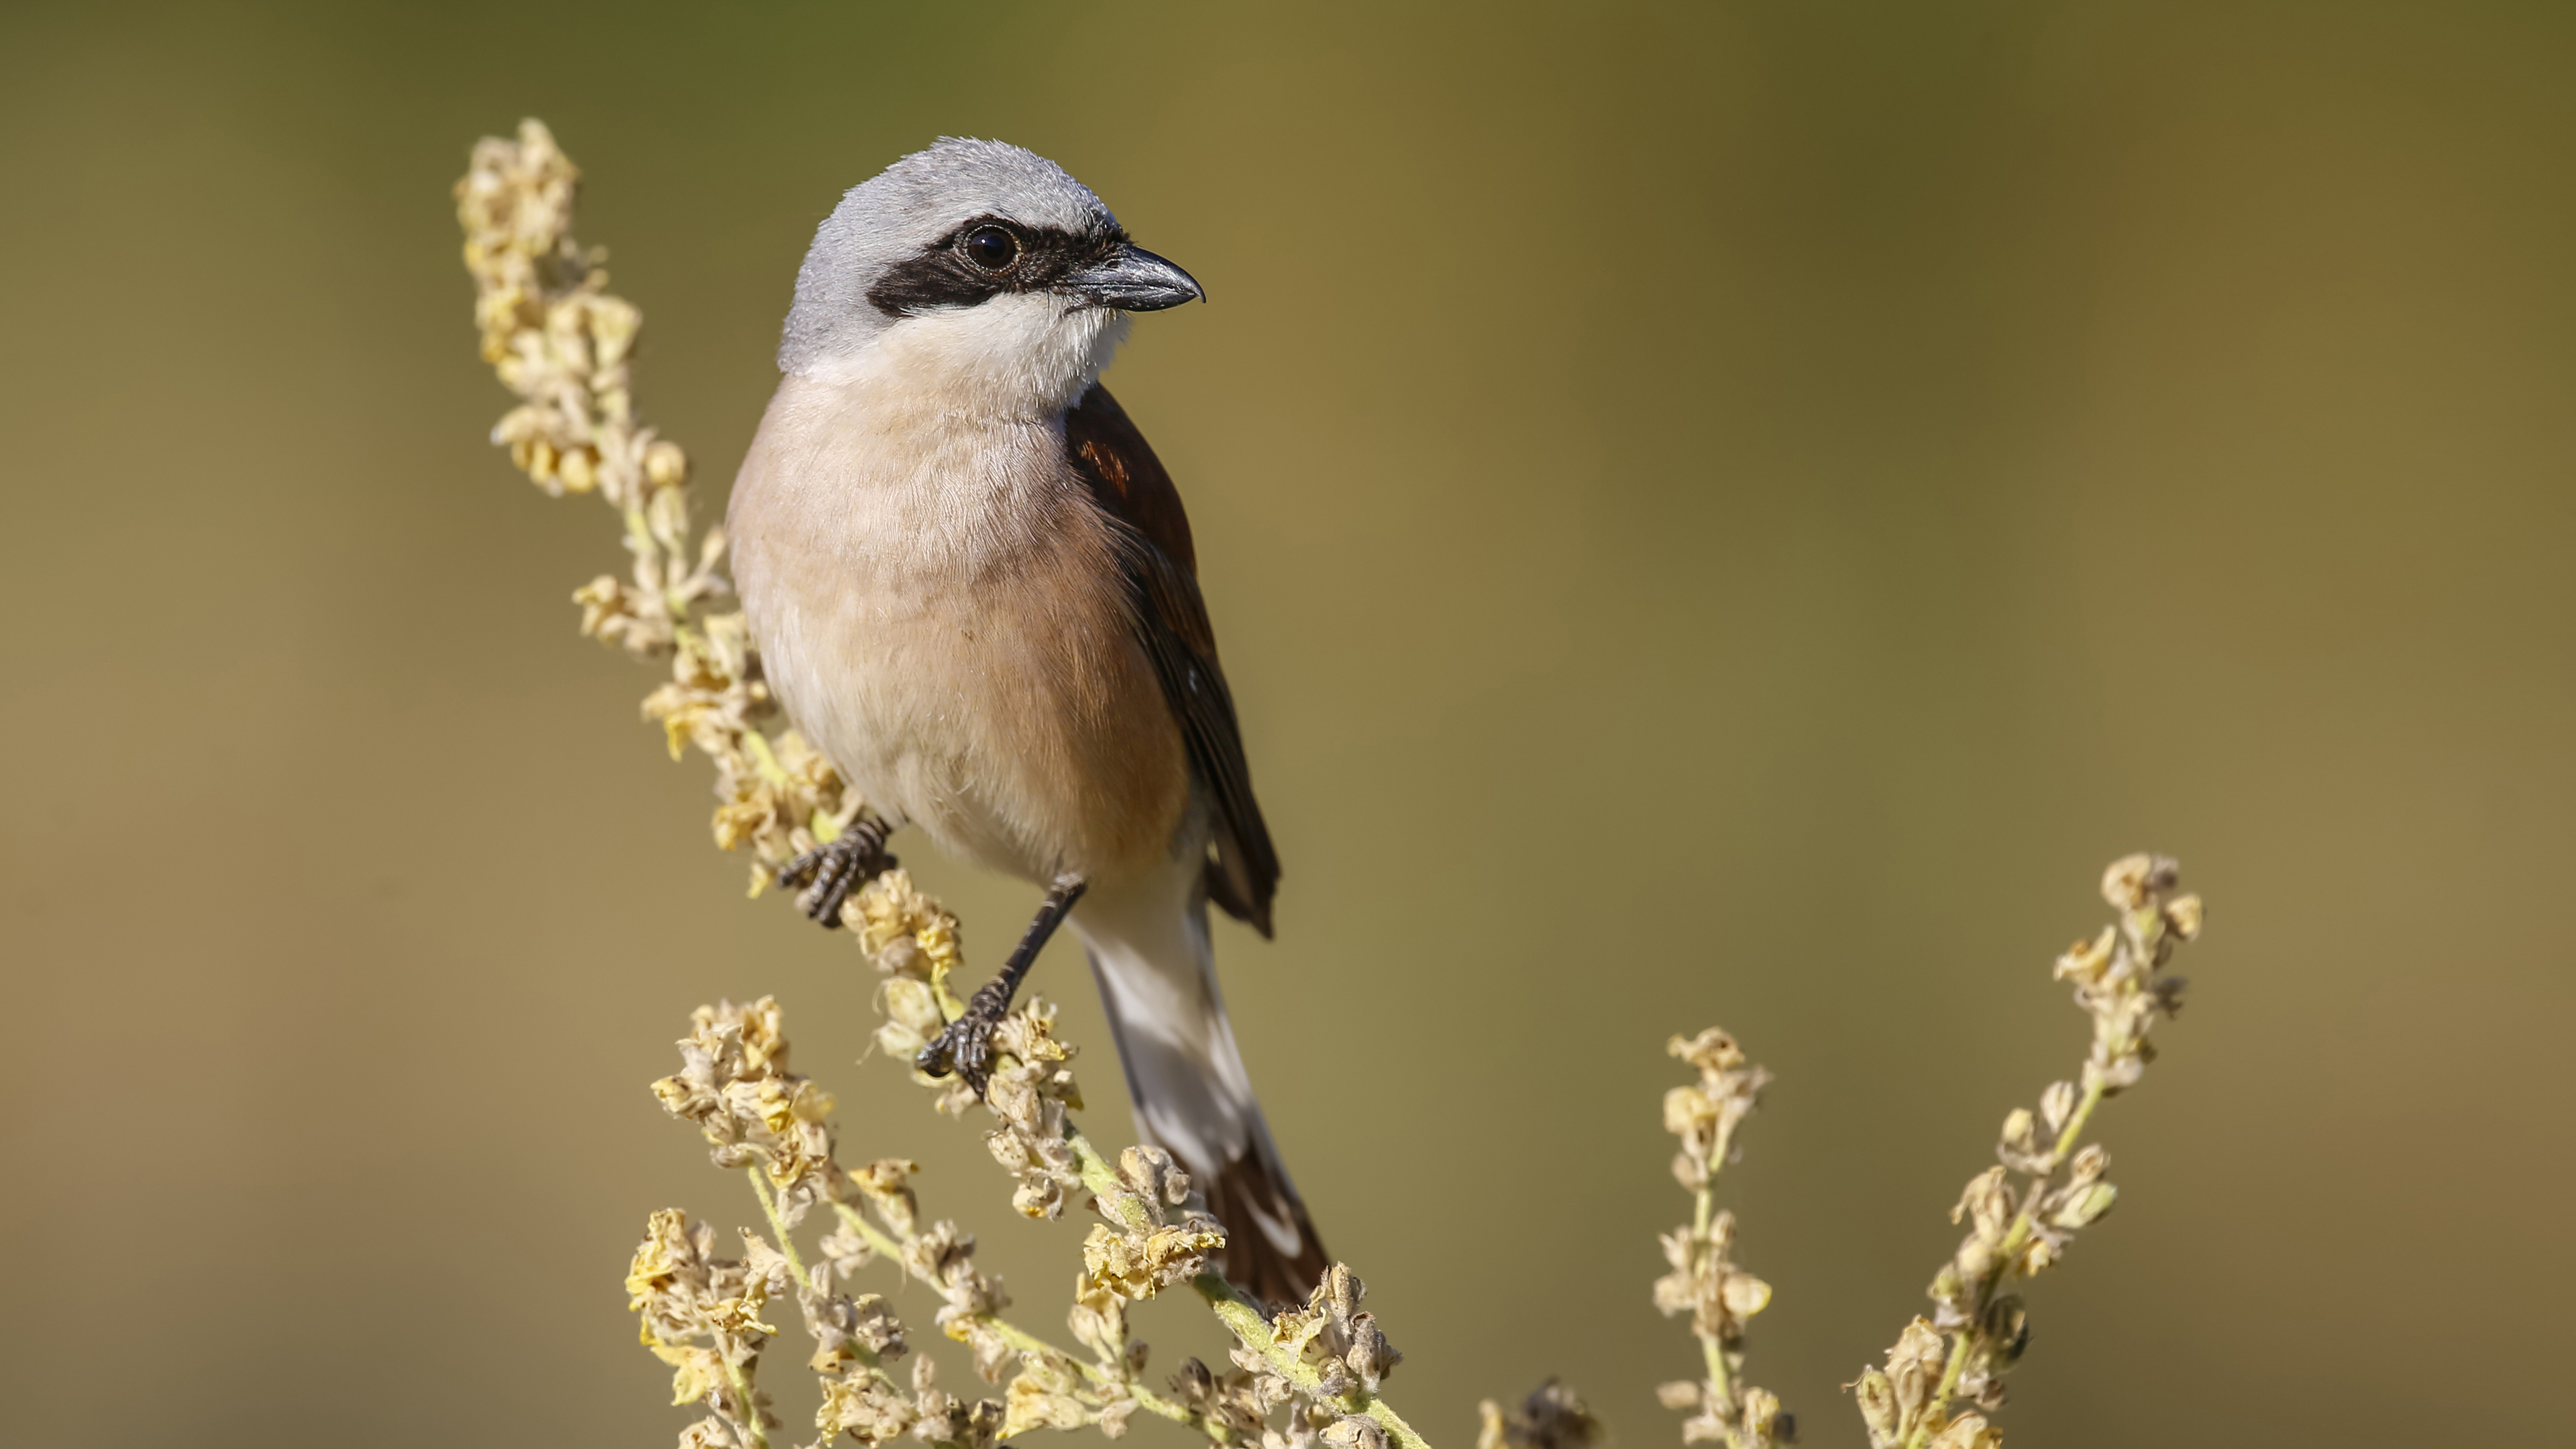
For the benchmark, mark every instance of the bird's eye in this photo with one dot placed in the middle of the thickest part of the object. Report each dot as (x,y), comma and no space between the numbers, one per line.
(992,248)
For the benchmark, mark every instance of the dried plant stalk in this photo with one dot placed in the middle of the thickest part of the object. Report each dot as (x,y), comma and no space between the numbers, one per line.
(1705,1282)
(561,341)
(1977,1330)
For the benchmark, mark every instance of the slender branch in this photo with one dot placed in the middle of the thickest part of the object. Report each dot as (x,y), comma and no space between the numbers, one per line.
(759,1176)
(752,1435)
(892,1249)
(1244,1320)
(1972,1337)
(1701,1214)
(1239,1314)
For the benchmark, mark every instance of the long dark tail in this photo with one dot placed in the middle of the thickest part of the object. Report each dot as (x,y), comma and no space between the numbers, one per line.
(1272,1250)
(1156,968)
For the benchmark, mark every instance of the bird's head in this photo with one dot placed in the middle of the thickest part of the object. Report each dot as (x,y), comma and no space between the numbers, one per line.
(979,273)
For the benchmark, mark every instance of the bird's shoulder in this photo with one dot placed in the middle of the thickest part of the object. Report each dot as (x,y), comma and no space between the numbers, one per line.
(1126,480)
(1130,485)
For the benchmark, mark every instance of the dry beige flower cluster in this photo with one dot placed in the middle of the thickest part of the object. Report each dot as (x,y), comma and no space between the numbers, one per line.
(1977,1330)
(1705,1282)
(1301,1376)
(561,342)
(702,1316)
(1550,1418)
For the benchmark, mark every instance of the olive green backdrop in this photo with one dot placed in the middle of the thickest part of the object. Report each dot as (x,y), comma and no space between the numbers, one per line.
(1716,513)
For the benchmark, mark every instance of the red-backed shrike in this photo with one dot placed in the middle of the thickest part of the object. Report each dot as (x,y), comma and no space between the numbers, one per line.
(972,587)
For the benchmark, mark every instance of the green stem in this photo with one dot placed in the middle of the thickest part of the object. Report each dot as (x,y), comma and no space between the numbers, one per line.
(891,1249)
(755,1437)
(1710,1349)
(769,1209)
(1102,1180)
(2014,1237)
(874,1363)
(1239,1314)
(1027,1342)
(1244,1320)
(763,759)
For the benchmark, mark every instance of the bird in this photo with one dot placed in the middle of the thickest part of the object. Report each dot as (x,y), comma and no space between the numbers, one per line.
(972,586)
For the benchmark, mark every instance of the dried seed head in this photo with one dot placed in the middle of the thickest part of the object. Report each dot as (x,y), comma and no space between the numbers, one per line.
(1877,1398)
(2056,1105)
(1357,1431)
(1968,1431)
(2087,961)
(1371,1357)
(1552,1417)
(2005,1328)
(2182,916)
(1192,1381)
(1153,1175)
(2134,880)
(2020,1134)
(2084,1205)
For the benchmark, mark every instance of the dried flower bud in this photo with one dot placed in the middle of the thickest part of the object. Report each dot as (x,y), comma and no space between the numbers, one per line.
(1679,1394)
(1968,1431)
(1334,1380)
(912,1002)
(2134,880)
(846,1251)
(2083,1206)
(859,1407)
(1877,1404)
(1191,1381)
(2087,961)
(1154,1176)
(1745,1295)
(2182,916)
(1552,1417)
(1371,1356)
(665,465)
(1763,1419)
(2005,1329)
(2056,1105)
(2019,1138)
(1712,1051)
(1342,1290)
(2041,1255)
(1356,1431)
(1988,1200)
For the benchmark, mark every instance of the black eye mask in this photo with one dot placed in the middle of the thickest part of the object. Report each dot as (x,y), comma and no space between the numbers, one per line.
(958,270)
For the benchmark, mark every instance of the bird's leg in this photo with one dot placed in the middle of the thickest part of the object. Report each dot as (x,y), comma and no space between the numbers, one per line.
(827,874)
(966,1046)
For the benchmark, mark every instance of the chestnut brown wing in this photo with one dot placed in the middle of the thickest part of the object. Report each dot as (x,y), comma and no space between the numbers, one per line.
(1129,484)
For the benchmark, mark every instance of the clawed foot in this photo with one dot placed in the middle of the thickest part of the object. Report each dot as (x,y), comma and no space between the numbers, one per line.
(965,1045)
(828,874)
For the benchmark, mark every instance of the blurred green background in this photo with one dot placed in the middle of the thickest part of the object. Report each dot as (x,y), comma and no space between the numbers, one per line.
(1717,513)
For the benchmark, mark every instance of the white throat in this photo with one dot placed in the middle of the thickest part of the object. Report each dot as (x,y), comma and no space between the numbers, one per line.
(1019,357)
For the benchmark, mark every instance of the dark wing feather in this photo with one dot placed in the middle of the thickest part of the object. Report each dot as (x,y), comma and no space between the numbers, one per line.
(1129,484)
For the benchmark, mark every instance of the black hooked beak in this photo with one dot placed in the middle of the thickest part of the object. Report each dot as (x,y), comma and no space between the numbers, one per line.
(1133,279)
